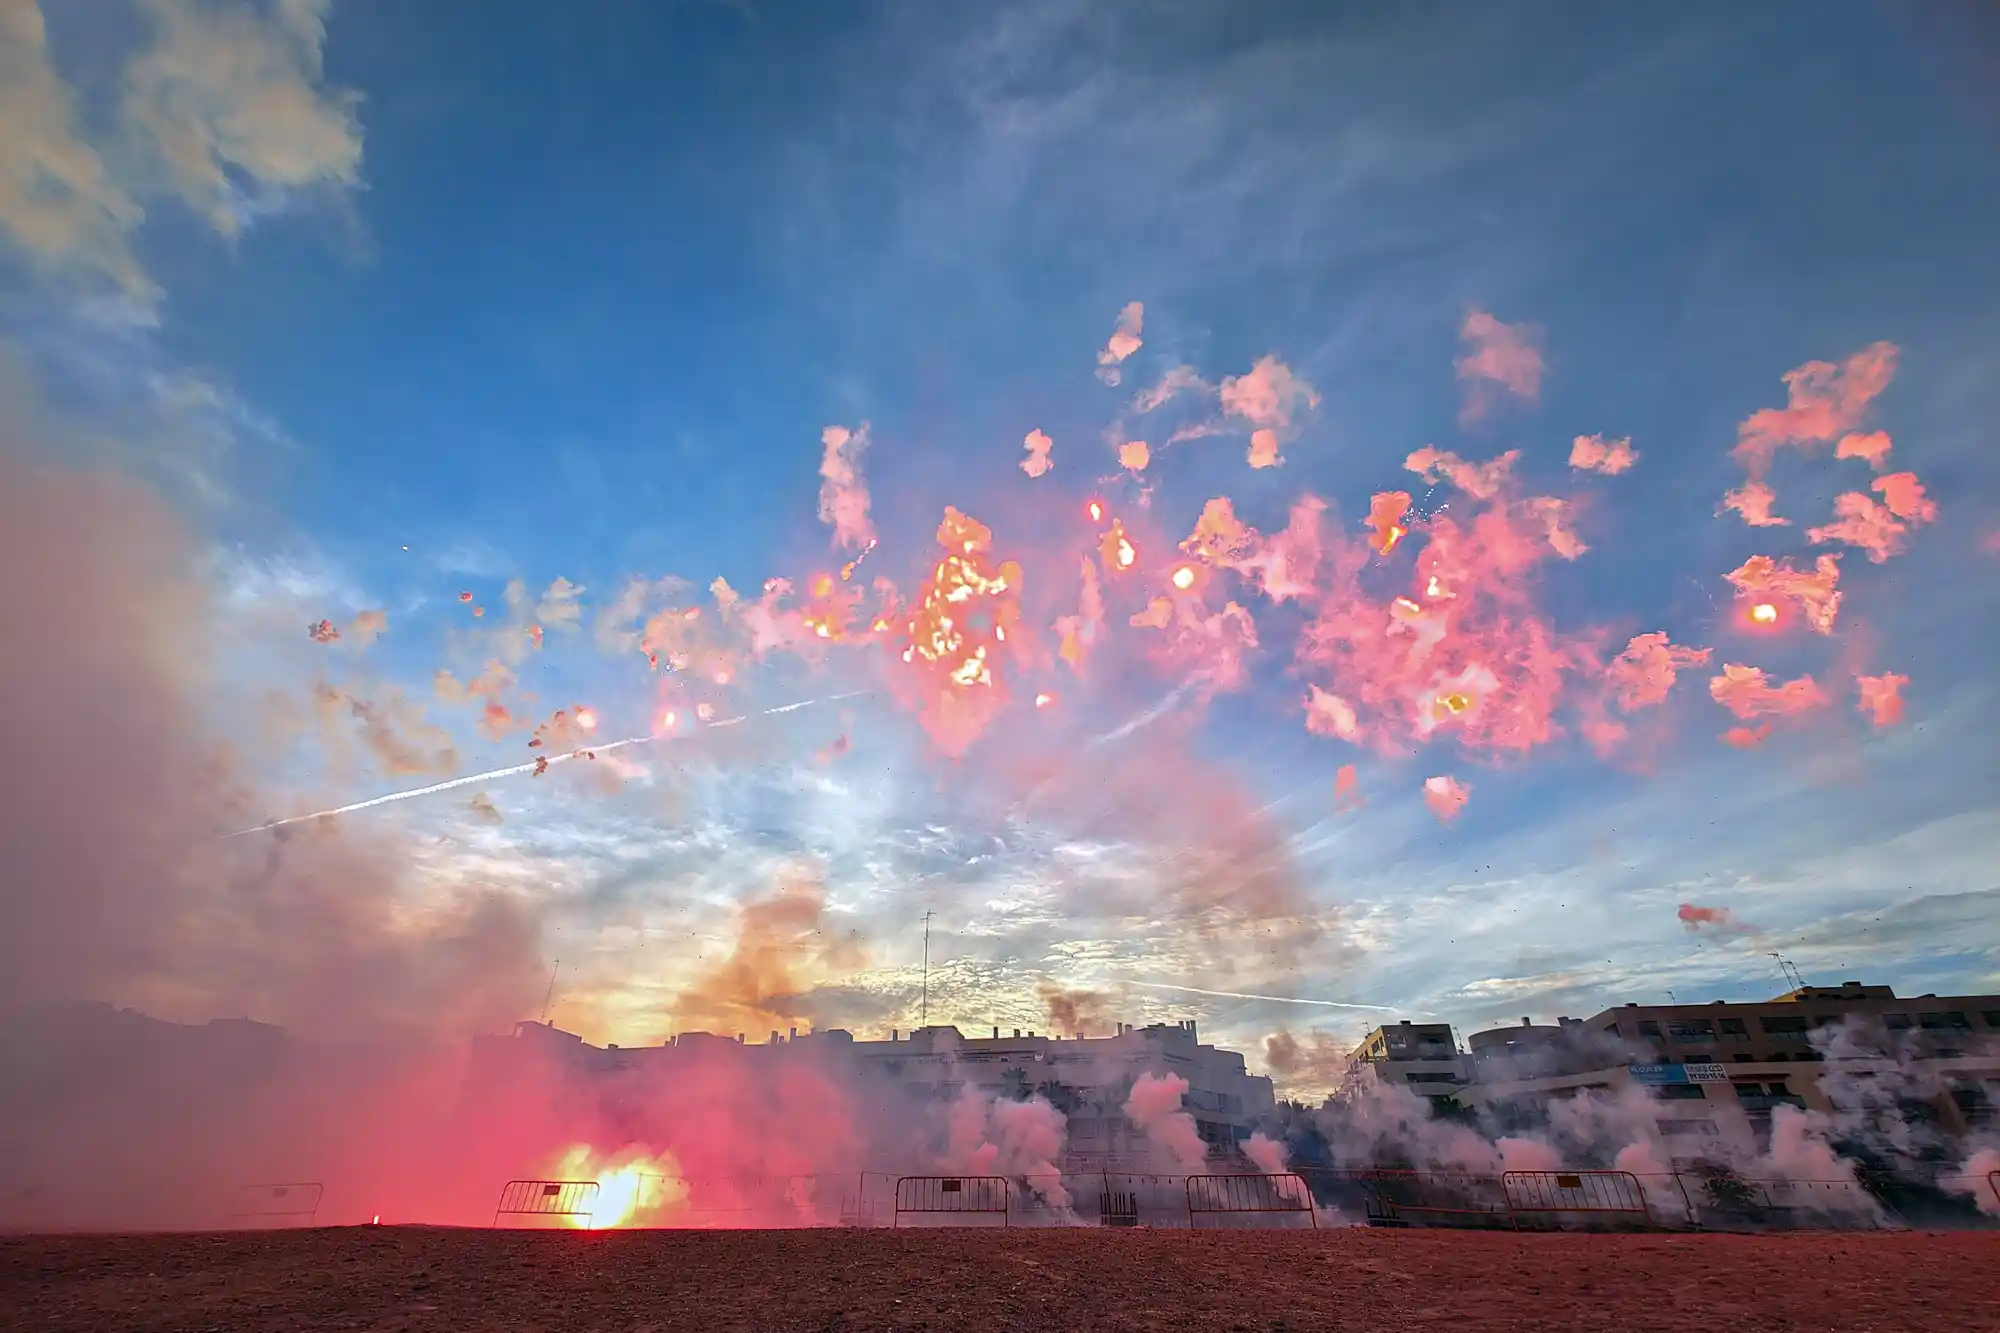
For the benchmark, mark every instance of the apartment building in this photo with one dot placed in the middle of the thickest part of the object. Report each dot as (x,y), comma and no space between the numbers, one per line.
(1087,1078)
(1721,1069)
(1424,1057)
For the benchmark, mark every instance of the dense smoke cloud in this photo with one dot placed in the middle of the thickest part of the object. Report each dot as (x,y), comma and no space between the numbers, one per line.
(128,767)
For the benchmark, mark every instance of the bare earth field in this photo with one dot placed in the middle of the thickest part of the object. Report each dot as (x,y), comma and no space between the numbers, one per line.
(416,1278)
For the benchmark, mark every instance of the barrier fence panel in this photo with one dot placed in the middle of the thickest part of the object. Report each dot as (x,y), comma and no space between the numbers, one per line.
(1225,1195)
(293,1204)
(1137,1199)
(1394,1198)
(1816,1200)
(952,1196)
(1603,1192)
(870,1201)
(547,1198)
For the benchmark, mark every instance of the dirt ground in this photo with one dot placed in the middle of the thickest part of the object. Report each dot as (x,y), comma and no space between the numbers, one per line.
(415,1278)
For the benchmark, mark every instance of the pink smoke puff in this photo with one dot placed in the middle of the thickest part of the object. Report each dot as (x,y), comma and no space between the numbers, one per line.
(1643,674)
(1267,1155)
(1498,356)
(1446,796)
(843,496)
(1481,481)
(1154,1105)
(1871,448)
(1882,697)
(1878,528)
(1594,453)
(1124,341)
(1816,591)
(1716,918)
(1038,444)
(1753,500)
(1745,691)
(1824,402)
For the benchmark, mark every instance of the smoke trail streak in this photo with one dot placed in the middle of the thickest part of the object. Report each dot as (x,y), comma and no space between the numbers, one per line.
(515,770)
(1274,999)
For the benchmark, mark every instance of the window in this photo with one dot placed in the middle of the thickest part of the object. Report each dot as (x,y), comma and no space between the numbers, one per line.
(1992,1017)
(1792,1029)
(1733,1027)
(1896,1022)
(1691,1029)
(1941,1022)
(1681,1092)
(1648,1028)
(1683,1128)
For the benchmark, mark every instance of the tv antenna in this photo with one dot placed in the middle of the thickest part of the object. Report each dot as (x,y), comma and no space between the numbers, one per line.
(1789,971)
(551,992)
(925,1008)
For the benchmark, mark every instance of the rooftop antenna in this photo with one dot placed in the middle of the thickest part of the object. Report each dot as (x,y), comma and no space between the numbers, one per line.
(551,993)
(925,1020)
(1671,999)
(1789,971)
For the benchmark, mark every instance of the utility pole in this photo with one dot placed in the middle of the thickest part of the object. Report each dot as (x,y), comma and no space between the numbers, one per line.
(925,1020)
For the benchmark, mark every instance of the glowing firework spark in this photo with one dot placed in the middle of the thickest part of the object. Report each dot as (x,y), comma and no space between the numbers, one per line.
(537,766)
(1764,613)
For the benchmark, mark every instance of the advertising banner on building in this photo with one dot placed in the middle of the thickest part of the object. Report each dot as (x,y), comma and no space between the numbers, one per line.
(1656,1075)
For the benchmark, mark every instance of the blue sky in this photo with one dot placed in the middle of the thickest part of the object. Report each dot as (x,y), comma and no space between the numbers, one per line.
(573,292)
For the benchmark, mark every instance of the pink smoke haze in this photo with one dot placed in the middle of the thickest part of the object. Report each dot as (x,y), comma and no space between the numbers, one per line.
(1882,697)
(1037,443)
(1498,356)
(1446,796)
(843,496)
(1593,453)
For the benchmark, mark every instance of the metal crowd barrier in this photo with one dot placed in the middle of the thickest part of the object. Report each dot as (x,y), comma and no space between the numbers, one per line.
(546,1198)
(1277,1193)
(1590,1192)
(1392,1198)
(956,1196)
